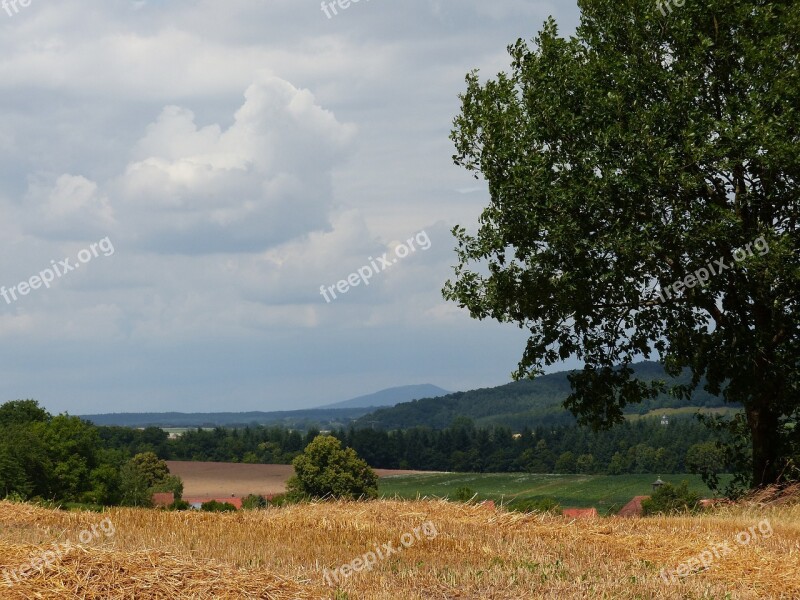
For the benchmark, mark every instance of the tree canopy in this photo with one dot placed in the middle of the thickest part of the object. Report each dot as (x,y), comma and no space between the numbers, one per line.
(643,180)
(326,470)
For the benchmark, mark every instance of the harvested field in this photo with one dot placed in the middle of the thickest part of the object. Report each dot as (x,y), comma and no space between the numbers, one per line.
(476,552)
(216,479)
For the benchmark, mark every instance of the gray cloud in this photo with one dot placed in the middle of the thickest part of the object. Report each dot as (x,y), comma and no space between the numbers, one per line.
(240,154)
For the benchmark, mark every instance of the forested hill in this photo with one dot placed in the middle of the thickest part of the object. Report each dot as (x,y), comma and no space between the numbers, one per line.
(518,404)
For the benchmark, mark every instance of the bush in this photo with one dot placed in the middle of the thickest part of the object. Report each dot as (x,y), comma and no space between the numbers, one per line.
(286,499)
(464,494)
(179,505)
(326,470)
(669,499)
(214,506)
(537,505)
(253,502)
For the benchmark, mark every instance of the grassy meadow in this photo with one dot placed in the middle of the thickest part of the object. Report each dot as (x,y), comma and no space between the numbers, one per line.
(607,493)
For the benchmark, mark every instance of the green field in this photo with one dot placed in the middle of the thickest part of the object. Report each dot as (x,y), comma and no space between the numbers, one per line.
(607,493)
(182,430)
(685,411)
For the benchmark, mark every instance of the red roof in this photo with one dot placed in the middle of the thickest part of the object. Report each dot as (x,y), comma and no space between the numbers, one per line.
(633,508)
(163,498)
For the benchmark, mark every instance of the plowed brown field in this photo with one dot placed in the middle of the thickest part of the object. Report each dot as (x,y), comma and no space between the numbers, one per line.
(216,479)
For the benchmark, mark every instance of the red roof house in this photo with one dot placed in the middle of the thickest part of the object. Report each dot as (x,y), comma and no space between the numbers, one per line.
(163,499)
(632,508)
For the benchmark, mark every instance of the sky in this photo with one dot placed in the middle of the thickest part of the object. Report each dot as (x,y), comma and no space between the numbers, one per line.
(184,185)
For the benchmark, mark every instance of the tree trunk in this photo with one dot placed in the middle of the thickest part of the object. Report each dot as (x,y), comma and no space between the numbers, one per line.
(766,445)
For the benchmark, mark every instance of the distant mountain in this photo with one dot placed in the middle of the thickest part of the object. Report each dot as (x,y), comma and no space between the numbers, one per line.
(391,396)
(530,403)
(340,414)
(518,404)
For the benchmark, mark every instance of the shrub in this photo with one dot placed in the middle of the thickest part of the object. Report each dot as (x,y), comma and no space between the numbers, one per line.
(179,505)
(253,502)
(288,498)
(670,499)
(464,494)
(326,470)
(214,506)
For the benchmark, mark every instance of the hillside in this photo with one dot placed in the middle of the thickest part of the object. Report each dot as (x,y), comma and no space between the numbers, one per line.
(391,396)
(326,418)
(458,551)
(331,416)
(518,404)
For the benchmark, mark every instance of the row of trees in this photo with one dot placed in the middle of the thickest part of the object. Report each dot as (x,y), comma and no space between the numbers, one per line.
(65,459)
(643,446)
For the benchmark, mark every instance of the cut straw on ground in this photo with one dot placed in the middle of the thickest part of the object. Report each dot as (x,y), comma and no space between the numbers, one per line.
(476,552)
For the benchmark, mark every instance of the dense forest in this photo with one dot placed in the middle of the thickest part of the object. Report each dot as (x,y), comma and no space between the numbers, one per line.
(65,458)
(526,403)
(643,446)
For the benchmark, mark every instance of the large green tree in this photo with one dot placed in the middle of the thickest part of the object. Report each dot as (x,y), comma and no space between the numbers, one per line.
(326,470)
(643,177)
(145,474)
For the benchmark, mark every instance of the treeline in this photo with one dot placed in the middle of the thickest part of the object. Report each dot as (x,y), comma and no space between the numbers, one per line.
(65,459)
(642,446)
(55,457)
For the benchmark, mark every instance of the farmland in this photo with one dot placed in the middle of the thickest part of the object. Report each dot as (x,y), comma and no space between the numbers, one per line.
(217,479)
(605,492)
(473,552)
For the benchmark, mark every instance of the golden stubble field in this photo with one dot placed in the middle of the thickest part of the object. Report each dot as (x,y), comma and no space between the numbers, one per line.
(469,552)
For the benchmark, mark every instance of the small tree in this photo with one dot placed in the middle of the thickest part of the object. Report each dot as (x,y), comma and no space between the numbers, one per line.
(325,469)
(708,460)
(465,494)
(215,506)
(134,486)
(253,502)
(145,474)
(155,469)
(670,499)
